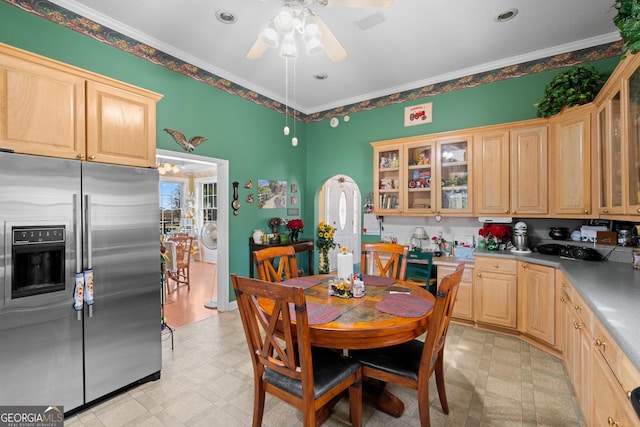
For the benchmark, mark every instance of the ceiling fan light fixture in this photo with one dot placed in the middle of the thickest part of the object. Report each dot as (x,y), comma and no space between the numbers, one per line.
(270,35)
(313,45)
(284,20)
(288,48)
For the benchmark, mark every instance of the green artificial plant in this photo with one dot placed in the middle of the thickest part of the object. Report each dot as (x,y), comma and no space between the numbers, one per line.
(577,85)
(628,22)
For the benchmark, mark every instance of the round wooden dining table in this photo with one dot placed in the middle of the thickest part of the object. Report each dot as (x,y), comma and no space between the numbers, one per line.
(360,325)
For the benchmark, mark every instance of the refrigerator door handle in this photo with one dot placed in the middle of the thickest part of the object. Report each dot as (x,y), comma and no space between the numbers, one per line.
(77,229)
(88,273)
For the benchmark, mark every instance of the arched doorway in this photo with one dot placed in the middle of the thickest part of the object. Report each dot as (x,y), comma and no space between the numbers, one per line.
(339,205)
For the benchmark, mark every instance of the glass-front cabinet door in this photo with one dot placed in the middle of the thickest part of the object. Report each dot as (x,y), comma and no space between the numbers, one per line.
(418,195)
(387,179)
(454,171)
(633,123)
(610,156)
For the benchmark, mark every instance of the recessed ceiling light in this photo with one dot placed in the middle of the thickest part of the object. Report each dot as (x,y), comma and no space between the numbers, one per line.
(321,76)
(507,15)
(225,16)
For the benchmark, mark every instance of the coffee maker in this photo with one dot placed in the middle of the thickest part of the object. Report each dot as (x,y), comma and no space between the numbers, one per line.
(520,240)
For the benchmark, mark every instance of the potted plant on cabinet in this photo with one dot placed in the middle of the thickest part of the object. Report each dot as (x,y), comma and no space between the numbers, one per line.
(628,22)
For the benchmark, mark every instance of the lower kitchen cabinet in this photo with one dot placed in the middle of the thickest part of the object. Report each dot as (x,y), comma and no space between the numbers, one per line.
(495,293)
(536,302)
(463,306)
(577,331)
(611,406)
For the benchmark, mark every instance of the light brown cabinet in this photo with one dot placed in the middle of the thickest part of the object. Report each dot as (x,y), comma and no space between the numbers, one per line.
(511,169)
(570,159)
(577,333)
(463,307)
(388,178)
(423,176)
(536,302)
(618,146)
(53,109)
(495,292)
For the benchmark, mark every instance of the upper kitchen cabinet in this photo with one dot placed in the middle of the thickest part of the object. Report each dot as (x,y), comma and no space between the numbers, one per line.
(609,155)
(510,171)
(617,128)
(418,193)
(52,109)
(453,173)
(570,161)
(388,178)
(423,175)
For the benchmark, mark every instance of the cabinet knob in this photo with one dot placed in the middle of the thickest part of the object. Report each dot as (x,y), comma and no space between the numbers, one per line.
(612,422)
(524,265)
(577,307)
(577,325)
(599,343)
(563,285)
(638,210)
(495,265)
(80,156)
(586,211)
(562,299)
(479,274)
(606,211)
(92,157)
(506,211)
(514,211)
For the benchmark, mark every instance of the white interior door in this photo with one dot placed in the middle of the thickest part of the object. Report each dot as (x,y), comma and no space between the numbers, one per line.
(342,201)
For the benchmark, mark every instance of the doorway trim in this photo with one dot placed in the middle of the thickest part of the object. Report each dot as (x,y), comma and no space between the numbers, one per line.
(222,165)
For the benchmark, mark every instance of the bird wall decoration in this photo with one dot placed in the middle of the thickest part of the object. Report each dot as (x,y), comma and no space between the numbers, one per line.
(182,140)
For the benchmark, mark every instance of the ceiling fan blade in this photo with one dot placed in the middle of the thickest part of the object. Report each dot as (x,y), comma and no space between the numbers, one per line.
(360,3)
(257,50)
(332,46)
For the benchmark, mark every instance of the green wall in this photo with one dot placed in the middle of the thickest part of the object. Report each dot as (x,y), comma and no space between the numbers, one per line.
(250,136)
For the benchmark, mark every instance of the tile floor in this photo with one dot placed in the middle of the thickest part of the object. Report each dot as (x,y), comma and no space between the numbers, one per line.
(492,380)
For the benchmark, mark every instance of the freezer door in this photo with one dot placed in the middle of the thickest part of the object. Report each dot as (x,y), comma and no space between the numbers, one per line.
(40,336)
(122,334)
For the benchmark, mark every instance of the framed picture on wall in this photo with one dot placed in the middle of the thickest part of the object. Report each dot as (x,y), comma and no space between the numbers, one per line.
(294,188)
(294,200)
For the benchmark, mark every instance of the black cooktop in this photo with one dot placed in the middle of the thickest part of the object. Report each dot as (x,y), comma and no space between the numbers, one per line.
(569,251)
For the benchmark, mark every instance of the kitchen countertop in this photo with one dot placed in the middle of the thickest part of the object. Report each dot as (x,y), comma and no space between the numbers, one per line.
(611,289)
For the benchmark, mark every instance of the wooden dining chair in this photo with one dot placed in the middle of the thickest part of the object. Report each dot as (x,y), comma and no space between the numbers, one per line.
(411,364)
(284,364)
(276,264)
(179,260)
(395,266)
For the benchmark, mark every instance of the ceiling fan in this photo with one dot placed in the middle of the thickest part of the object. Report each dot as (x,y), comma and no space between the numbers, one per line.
(297,17)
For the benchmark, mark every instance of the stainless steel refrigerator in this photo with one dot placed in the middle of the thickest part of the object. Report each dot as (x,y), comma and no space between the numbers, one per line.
(62,220)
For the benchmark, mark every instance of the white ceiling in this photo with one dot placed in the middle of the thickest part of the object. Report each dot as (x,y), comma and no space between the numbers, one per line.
(420,42)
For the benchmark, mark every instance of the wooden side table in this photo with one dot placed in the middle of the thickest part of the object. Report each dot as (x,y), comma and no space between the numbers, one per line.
(303,245)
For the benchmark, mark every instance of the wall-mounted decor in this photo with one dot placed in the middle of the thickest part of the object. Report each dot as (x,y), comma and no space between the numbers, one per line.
(418,114)
(294,188)
(294,200)
(249,184)
(250,198)
(182,140)
(272,194)
(235,204)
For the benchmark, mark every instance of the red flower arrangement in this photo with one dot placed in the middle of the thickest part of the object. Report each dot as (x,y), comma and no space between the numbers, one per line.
(495,231)
(295,224)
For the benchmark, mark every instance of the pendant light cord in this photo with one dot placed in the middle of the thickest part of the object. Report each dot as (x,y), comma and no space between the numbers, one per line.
(286,93)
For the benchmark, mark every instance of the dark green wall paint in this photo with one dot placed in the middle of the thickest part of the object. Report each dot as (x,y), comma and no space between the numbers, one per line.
(250,136)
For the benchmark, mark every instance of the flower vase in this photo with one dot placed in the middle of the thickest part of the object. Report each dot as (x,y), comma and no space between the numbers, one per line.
(493,245)
(323,262)
(294,235)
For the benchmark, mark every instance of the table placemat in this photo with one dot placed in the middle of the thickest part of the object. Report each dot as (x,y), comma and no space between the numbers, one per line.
(377,280)
(301,282)
(317,313)
(404,305)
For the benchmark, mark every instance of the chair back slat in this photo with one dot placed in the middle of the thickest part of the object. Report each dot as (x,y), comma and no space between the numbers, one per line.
(276,264)
(395,266)
(275,340)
